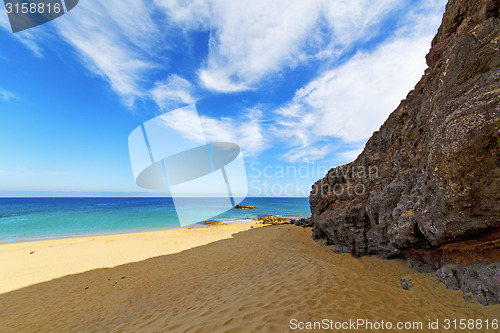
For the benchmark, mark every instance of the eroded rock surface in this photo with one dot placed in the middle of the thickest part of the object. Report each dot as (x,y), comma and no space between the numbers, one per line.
(431,175)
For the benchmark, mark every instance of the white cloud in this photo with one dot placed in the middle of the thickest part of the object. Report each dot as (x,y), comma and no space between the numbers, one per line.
(349,155)
(351,101)
(218,80)
(302,154)
(7,95)
(115,39)
(173,92)
(26,37)
(186,123)
(187,14)
(250,42)
(252,39)
(352,21)
(246,132)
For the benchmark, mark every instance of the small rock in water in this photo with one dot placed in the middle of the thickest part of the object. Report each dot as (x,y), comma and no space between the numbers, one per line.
(244,207)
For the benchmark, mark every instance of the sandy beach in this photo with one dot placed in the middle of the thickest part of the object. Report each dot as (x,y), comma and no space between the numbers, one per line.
(214,279)
(27,263)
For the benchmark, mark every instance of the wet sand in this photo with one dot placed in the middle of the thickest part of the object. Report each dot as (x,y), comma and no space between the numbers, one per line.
(268,279)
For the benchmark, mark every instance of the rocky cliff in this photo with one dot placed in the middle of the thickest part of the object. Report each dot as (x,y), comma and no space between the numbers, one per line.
(430,176)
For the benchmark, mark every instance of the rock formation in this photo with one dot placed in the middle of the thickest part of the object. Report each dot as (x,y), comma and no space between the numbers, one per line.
(244,207)
(272,219)
(303,222)
(431,175)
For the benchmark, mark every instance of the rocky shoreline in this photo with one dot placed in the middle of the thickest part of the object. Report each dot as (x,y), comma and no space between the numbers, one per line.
(431,173)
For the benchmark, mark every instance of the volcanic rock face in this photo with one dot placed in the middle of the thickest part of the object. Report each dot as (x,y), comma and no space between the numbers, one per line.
(479,280)
(431,175)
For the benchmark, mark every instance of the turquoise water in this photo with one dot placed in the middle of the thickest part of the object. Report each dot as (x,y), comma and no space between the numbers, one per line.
(25,219)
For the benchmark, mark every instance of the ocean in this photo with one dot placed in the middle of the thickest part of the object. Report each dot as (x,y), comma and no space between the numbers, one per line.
(27,219)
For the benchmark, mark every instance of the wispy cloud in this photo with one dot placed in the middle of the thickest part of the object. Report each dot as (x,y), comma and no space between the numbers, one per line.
(346,103)
(27,38)
(251,43)
(173,92)
(7,95)
(351,101)
(302,154)
(253,39)
(348,155)
(247,131)
(115,39)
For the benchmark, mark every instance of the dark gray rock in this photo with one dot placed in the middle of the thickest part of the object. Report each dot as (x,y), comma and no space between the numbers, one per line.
(448,276)
(480,280)
(429,176)
(406,283)
(490,276)
(303,222)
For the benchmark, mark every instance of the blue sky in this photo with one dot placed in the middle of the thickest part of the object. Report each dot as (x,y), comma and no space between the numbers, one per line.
(296,84)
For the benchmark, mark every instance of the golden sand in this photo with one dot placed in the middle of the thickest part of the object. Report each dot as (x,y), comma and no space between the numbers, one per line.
(23,264)
(257,281)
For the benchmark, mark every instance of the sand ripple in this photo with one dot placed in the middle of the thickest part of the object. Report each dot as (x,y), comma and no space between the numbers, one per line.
(256,282)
